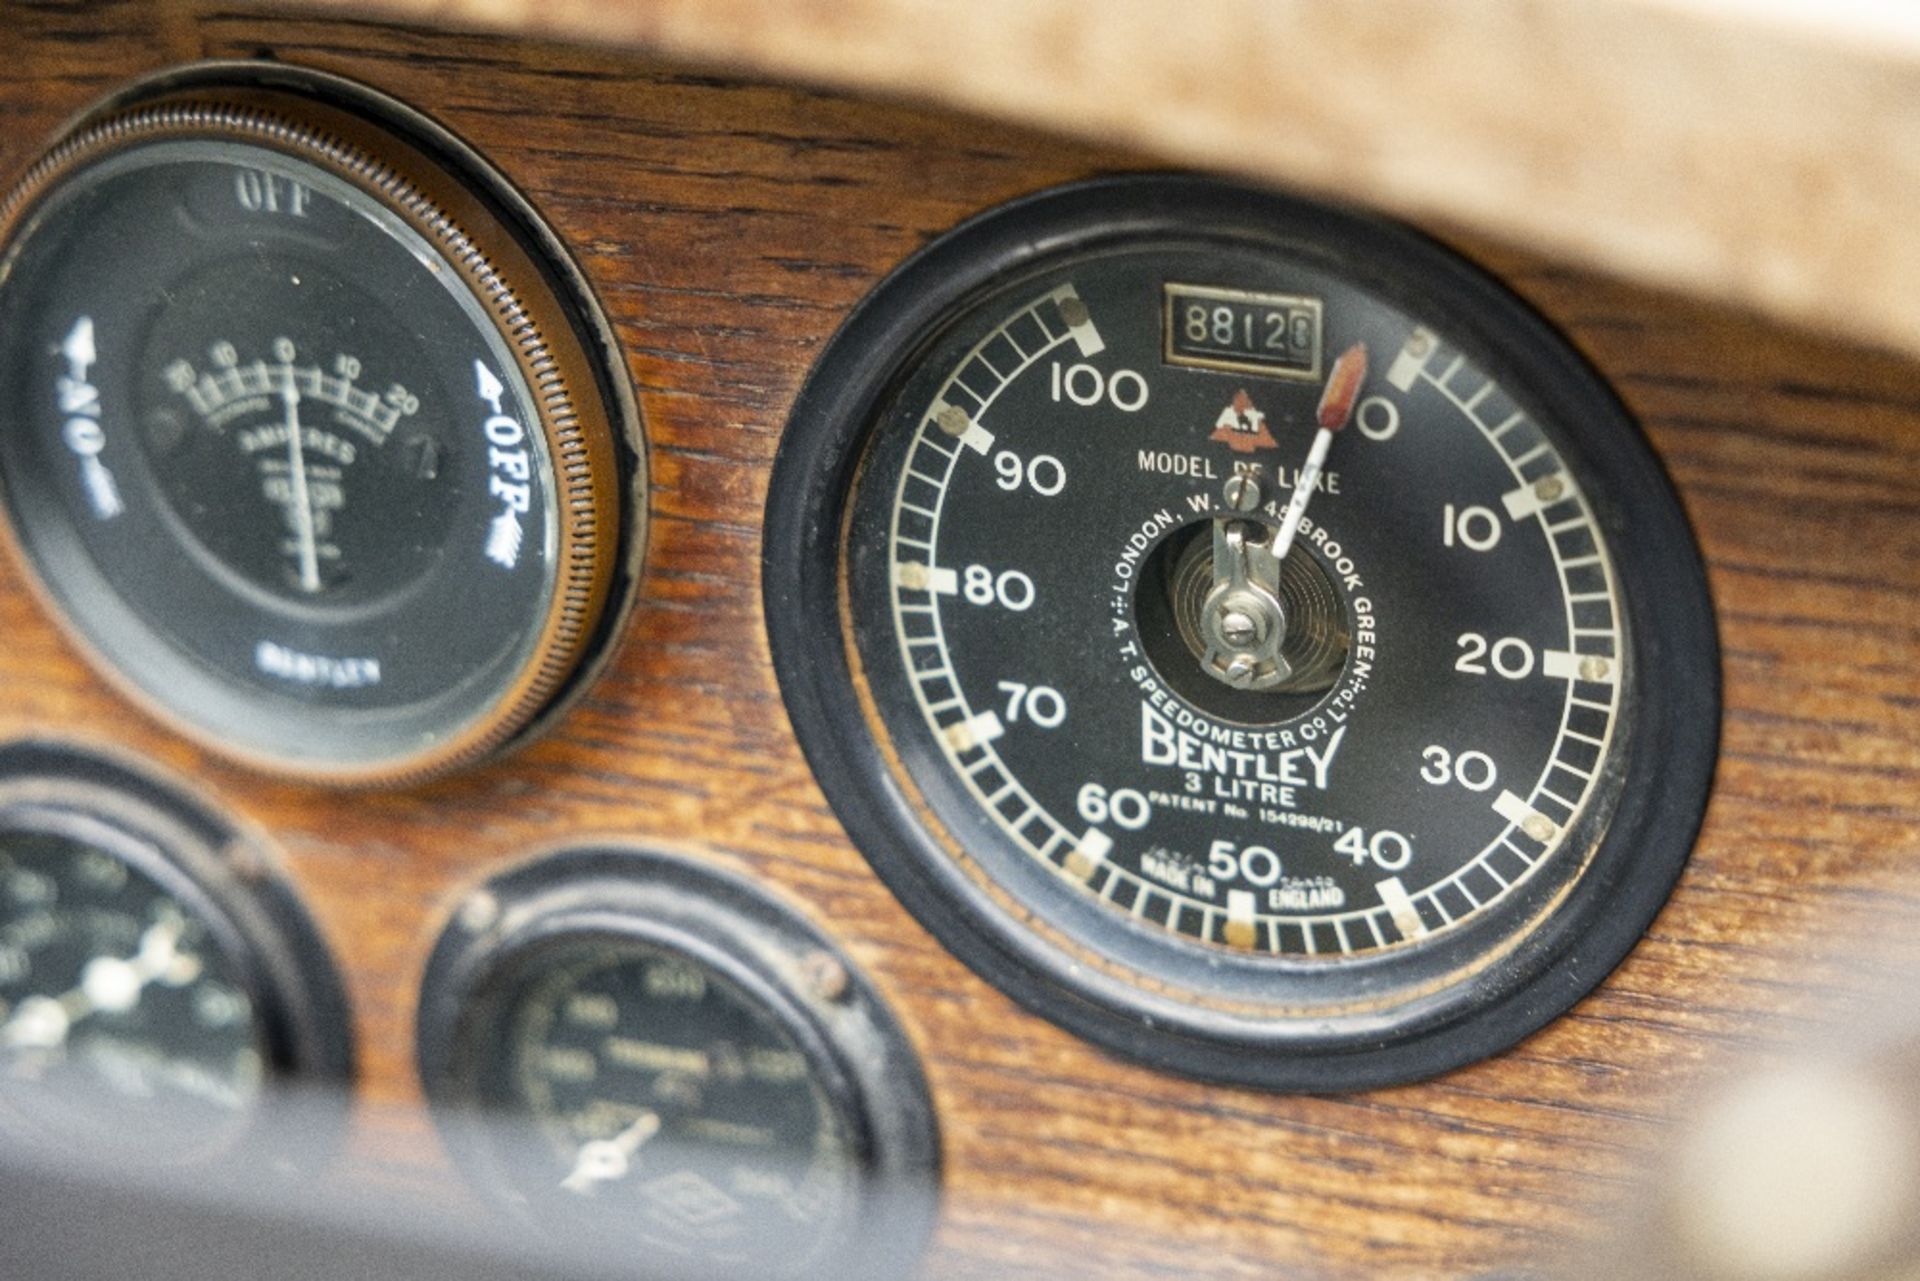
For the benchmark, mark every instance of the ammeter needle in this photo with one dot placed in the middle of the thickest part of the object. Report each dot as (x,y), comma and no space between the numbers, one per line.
(302,499)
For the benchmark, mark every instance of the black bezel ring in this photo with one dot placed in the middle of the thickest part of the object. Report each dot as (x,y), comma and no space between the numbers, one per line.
(1670,708)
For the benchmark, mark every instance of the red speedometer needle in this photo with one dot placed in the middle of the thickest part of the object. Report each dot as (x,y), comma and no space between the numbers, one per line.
(1336,407)
(1343,388)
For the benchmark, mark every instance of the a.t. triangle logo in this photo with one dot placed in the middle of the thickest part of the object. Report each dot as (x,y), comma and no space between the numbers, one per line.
(1241,427)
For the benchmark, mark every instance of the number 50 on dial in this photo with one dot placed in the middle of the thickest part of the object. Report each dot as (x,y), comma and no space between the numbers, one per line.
(1236,741)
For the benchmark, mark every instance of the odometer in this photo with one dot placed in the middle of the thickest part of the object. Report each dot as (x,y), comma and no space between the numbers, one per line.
(1251,629)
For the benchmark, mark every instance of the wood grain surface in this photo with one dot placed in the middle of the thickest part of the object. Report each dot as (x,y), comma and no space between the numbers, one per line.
(1765,152)
(728,227)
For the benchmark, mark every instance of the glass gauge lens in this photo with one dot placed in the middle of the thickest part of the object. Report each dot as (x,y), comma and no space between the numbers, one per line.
(1269,615)
(156,981)
(120,1017)
(652,1056)
(321,468)
(670,1098)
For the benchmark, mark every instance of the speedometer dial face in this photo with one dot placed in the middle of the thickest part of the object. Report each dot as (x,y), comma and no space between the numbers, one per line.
(303,436)
(1253,613)
(1176,794)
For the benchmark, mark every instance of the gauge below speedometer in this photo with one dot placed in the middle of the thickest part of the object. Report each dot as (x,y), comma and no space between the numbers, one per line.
(634,1047)
(1243,632)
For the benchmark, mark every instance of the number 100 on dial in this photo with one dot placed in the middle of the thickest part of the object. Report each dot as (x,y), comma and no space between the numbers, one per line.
(1246,745)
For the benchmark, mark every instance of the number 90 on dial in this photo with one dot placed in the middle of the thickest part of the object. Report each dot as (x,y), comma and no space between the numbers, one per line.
(1236,741)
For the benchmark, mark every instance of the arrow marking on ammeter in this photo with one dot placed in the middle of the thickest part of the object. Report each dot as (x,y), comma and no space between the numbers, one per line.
(491,389)
(79,398)
(79,350)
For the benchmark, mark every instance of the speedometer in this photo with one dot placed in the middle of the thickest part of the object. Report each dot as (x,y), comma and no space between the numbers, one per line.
(1243,632)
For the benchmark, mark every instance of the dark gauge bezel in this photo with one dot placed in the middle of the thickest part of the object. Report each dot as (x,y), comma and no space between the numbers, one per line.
(229,880)
(1415,1012)
(860,1055)
(520,276)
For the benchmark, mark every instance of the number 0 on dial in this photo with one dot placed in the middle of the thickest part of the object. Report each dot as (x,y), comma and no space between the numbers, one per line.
(1311,715)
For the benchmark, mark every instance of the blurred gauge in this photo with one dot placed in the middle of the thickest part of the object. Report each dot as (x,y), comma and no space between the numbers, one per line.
(112,983)
(155,980)
(633,1045)
(657,1080)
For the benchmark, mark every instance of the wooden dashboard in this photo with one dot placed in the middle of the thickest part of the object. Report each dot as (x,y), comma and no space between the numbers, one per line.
(728,226)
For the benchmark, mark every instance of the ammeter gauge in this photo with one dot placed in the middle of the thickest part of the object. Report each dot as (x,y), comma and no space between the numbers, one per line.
(635,1049)
(156,980)
(307,426)
(1242,631)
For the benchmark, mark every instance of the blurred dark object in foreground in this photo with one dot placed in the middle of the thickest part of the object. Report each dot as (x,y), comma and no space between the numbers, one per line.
(259,1214)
